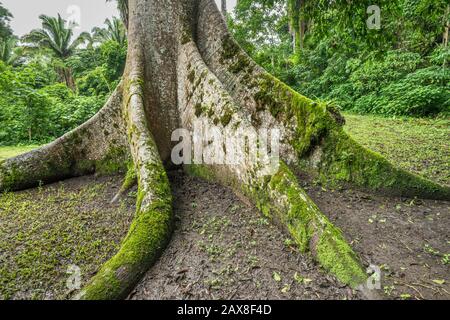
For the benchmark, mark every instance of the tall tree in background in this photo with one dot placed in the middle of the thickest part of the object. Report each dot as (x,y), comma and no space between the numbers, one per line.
(184,66)
(56,37)
(5,18)
(297,23)
(114,31)
(8,51)
(224,7)
(7,40)
(122,6)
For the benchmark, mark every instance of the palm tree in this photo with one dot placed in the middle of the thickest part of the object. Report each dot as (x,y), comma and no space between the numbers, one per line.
(10,54)
(114,31)
(58,39)
(122,5)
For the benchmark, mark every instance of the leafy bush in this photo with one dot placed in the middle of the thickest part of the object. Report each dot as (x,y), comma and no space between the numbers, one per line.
(402,83)
(35,109)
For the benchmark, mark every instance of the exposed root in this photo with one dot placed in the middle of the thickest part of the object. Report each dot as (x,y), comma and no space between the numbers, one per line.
(278,196)
(151,228)
(99,146)
(314,130)
(129,182)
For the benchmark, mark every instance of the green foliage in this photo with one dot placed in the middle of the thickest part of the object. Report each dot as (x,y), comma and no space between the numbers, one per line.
(35,108)
(114,31)
(51,85)
(400,69)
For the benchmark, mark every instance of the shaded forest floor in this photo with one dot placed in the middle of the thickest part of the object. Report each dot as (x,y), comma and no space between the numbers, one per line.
(222,248)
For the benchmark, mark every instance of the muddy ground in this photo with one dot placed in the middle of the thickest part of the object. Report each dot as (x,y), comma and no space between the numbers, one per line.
(408,239)
(222,248)
(45,232)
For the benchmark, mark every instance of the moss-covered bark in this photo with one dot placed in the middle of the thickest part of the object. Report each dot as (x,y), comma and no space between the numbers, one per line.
(147,237)
(324,149)
(183,65)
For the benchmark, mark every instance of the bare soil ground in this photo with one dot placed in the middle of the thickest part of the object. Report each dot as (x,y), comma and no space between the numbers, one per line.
(222,248)
(408,239)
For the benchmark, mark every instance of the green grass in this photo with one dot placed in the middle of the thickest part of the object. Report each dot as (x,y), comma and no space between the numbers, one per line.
(421,146)
(9,152)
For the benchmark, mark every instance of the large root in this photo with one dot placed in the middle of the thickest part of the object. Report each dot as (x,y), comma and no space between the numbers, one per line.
(278,195)
(99,146)
(151,227)
(314,130)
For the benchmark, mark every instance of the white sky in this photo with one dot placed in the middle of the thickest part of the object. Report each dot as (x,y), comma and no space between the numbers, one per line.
(89,13)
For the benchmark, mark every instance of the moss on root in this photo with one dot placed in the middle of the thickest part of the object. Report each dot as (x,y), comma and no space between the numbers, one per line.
(344,160)
(22,173)
(280,198)
(308,226)
(147,237)
(312,120)
(319,126)
(14,176)
(236,59)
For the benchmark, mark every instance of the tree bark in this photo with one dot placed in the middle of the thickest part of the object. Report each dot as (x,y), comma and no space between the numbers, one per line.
(184,66)
(224,7)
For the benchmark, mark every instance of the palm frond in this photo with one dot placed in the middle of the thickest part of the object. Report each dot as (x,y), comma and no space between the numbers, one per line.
(54,35)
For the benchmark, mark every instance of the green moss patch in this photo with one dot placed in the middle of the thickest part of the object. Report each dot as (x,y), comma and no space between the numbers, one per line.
(344,160)
(313,120)
(308,226)
(45,230)
(147,237)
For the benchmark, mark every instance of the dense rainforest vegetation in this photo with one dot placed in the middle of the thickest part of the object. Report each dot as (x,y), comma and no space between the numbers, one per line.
(326,49)
(50,81)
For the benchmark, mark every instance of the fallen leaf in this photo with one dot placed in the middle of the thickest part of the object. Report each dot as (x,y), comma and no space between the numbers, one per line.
(276,276)
(285,289)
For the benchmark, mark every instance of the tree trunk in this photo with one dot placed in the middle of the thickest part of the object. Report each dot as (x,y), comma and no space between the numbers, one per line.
(65,76)
(446,27)
(184,66)
(224,7)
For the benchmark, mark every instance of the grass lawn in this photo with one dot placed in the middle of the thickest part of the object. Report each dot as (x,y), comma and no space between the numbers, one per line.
(417,145)
(9,152)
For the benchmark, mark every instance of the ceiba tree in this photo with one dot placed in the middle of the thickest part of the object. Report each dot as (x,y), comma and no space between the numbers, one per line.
(183,65)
